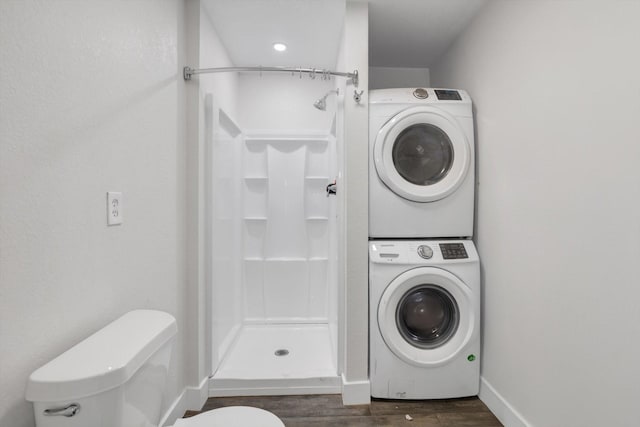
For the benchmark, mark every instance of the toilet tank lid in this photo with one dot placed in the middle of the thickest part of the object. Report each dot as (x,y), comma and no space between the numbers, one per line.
(105,360)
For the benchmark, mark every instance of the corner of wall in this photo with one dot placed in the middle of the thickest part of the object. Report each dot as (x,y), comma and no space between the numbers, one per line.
(500,407)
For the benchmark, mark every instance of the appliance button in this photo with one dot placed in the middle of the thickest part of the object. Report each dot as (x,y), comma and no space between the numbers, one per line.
(420,93)
(425,251)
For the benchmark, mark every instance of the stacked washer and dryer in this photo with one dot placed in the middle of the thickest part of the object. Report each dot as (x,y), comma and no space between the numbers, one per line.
(424,271)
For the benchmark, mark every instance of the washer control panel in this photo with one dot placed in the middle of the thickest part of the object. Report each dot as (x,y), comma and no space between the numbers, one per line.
(421,252)
(425,251)
(453,251)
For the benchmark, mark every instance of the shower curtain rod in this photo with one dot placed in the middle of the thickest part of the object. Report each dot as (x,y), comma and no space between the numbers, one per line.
(313,72)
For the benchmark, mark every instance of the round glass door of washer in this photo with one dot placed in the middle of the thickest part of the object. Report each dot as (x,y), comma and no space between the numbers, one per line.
(425,316)
(421,154)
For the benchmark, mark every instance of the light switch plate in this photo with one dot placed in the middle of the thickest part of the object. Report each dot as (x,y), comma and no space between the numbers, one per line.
(114,208)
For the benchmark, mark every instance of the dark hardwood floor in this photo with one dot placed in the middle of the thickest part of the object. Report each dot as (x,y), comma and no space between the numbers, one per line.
(327,410)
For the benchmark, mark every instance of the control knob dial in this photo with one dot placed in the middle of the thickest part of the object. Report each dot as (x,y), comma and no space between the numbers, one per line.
(425,251)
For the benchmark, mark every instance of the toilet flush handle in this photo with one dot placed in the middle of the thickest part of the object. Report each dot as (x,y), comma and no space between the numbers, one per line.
(67,411)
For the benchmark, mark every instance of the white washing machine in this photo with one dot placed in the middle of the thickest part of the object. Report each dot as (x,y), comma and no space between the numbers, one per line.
(424,314)
(421,163)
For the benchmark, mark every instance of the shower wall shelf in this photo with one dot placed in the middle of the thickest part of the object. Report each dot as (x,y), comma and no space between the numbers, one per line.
(313,73)
(287,224)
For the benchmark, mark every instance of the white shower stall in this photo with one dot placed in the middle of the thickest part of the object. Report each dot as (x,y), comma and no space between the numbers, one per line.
(272,235)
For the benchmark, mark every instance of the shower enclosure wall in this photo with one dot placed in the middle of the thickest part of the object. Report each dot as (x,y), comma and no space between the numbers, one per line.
(273,238)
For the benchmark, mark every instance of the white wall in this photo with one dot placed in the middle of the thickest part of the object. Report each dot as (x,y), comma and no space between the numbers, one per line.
(391,77)
(356,389)
(282,102)
(223,86)
(91,99)
(555,86)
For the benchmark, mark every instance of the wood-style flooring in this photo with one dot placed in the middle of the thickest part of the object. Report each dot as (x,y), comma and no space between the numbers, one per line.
(328,411)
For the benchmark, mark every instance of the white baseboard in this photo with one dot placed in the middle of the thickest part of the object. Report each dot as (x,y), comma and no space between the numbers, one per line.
(197,396)
(500,407)
(274,387)
(356,392)
(191,398)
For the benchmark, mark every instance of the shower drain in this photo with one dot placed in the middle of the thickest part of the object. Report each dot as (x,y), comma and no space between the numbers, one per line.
(281,352)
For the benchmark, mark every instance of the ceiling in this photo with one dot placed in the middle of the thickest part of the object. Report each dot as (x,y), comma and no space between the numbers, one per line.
(402,33)
(414,33)
(311,29)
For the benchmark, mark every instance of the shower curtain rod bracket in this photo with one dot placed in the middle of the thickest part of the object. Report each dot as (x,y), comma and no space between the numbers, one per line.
(188,72)
(354,78)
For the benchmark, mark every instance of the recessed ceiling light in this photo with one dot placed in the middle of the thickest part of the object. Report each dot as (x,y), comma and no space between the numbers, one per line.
(280,47)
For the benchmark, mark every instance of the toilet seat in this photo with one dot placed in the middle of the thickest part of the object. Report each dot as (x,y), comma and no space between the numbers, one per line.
(232,416)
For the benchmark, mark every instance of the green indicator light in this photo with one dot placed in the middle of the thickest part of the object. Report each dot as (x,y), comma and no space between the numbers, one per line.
(471,357)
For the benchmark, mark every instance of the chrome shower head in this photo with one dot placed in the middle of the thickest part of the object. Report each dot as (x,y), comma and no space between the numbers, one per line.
(321,104)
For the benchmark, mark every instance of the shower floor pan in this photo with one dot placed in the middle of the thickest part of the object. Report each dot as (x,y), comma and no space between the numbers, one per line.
(278,360)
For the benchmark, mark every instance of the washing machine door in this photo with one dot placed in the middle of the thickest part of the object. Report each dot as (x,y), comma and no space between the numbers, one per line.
(422,154)
(426,317)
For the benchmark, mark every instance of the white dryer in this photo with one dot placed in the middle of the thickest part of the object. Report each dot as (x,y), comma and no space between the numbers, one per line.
(421,163)
(424,311)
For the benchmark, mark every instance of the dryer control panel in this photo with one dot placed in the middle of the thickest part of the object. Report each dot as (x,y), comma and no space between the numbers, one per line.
(448,95)
(453,251)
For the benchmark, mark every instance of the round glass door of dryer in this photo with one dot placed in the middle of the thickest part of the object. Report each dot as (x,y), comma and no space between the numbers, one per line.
(426,316)
(422,154)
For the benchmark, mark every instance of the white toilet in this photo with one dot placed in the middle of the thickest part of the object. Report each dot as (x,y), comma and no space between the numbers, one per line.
(117,377)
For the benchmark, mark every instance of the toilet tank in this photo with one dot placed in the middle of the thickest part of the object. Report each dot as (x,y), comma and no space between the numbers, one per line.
(114,378)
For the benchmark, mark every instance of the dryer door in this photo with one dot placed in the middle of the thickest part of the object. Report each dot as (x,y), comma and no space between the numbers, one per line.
(425,316)
(422,154)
